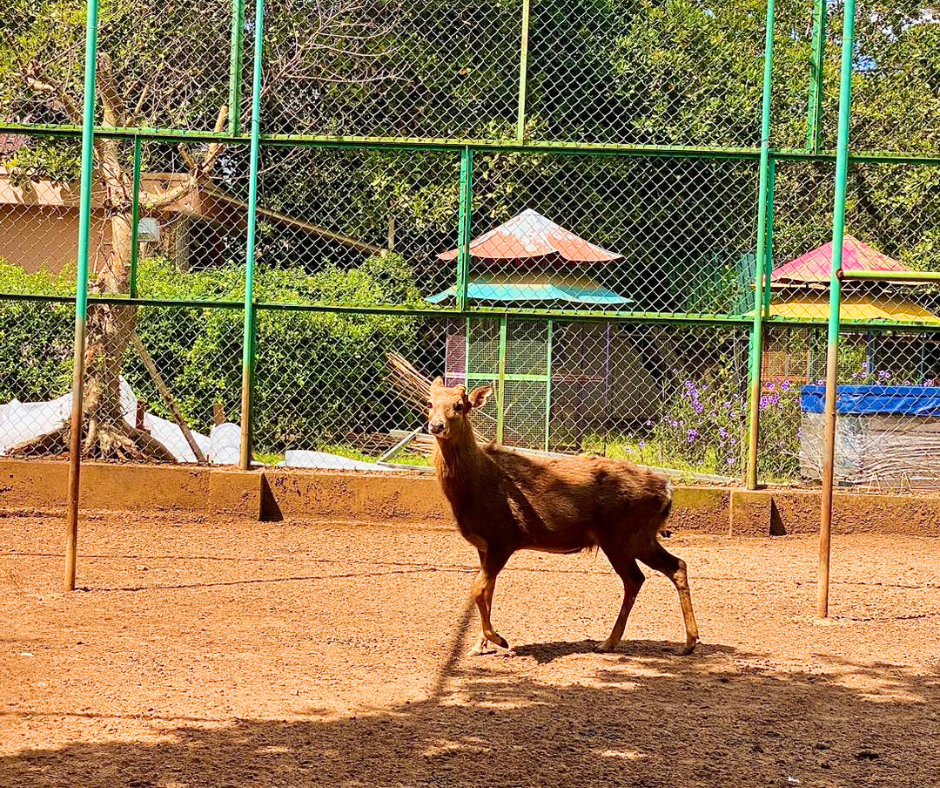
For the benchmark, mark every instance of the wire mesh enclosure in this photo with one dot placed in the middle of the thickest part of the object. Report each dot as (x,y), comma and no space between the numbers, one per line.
(618,215)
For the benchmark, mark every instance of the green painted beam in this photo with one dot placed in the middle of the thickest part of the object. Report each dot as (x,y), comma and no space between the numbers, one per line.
(135,219)
(479,146)
(769,235)
(250,322)
(816,68)
(464,217)
(835,302)
(235,68)
(892,276)
(501,386)
(762,264)
(550,328)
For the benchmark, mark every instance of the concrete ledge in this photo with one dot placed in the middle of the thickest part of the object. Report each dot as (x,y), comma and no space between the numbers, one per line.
(414,500)
(700,510)
(356,497)
(238,493)
(781,512)
(43,484)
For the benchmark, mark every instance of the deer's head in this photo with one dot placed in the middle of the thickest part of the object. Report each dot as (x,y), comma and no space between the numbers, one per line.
(450,408)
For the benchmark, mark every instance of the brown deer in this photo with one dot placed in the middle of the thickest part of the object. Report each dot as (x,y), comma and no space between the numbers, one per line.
(504,501)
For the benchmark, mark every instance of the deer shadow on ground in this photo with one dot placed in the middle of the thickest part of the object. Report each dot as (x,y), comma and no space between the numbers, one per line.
(545,653)
(640,717)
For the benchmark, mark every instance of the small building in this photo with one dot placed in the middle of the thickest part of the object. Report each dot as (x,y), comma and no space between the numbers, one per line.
(799,290)
(556,379)
(207,227)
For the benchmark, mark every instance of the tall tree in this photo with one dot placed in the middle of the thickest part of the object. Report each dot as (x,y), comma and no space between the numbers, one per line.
(160,64)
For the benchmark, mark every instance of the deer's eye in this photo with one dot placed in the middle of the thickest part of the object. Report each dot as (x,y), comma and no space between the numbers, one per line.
(458,408)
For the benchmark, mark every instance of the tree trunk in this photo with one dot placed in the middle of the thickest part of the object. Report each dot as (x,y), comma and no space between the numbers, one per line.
(107,435)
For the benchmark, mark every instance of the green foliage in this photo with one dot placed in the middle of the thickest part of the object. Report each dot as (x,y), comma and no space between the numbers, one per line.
(702,423)
(316,373)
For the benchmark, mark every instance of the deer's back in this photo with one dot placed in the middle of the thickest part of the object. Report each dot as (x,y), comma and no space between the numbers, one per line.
(579,499)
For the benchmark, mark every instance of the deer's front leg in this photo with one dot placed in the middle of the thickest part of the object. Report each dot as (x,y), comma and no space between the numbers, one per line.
(491,563)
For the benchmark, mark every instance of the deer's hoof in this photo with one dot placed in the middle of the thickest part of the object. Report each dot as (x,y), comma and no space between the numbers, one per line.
(498,640)
(606,647)
(688,648)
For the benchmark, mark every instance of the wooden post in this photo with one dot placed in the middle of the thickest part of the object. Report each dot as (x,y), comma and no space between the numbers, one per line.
(168,398)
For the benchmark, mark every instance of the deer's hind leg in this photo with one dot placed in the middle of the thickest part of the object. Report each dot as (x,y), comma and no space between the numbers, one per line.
(626,567)
(492,561)
(660,559)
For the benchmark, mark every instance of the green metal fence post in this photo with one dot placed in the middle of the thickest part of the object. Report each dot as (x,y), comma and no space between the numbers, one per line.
(769,245)
(501,386)
(135,217)
(548,383)
(248,343)
(81,294)
(835,300)
(235,68)
(464,213)
(760,254)
(817,64)
(523,72)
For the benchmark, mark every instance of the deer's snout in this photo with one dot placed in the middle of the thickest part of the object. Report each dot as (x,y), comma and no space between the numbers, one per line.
(436,427)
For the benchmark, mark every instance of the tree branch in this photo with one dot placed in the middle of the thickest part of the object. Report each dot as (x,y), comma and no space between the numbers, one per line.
(45,84)
(197,170)
(111,101)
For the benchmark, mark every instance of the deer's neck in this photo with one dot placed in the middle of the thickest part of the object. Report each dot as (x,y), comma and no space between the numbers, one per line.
(457,461)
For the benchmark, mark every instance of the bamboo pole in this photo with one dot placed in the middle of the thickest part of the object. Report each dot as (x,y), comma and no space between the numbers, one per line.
(523,72)
(167,398)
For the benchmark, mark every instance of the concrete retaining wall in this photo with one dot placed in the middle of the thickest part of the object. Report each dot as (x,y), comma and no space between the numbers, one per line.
(413,500)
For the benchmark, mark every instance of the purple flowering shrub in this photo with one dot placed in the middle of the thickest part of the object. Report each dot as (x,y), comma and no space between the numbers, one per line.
(779,447)
(702,426)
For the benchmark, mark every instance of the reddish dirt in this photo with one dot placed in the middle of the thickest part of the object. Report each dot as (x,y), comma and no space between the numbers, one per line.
(207,652)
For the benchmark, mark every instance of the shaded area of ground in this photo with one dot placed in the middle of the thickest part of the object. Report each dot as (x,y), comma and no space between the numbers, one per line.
(207,652)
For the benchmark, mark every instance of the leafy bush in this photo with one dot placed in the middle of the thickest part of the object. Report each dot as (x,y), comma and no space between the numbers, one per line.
(317,374)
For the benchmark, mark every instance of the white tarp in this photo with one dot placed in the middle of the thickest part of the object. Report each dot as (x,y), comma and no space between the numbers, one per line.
(320,459)
(24,421)
(225,444)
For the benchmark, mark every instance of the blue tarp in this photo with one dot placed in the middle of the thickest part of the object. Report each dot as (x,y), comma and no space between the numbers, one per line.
(875,400)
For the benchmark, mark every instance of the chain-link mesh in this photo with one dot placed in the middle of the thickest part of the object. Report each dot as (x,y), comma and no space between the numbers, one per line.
(384,68)
(39,215)
(523,240)
(612,234)
(661,396)
(896,86)
(162,384)
(35,371)
(356,228)
(891,225)
(195,226)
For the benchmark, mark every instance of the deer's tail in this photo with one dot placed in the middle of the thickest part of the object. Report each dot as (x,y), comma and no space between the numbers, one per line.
(667,502)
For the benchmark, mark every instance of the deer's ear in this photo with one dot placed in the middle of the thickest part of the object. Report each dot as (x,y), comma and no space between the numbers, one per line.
(480,396)
(437,383)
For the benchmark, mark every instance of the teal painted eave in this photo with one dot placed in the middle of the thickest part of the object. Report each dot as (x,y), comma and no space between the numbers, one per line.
(503,292)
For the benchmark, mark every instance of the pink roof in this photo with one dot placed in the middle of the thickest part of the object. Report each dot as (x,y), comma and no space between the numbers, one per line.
(530,236)
(815,266)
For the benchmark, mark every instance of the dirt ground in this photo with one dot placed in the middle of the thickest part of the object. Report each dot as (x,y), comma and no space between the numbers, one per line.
(206,652)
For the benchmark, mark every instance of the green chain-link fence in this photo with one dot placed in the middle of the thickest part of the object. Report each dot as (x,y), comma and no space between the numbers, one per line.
(559,197)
